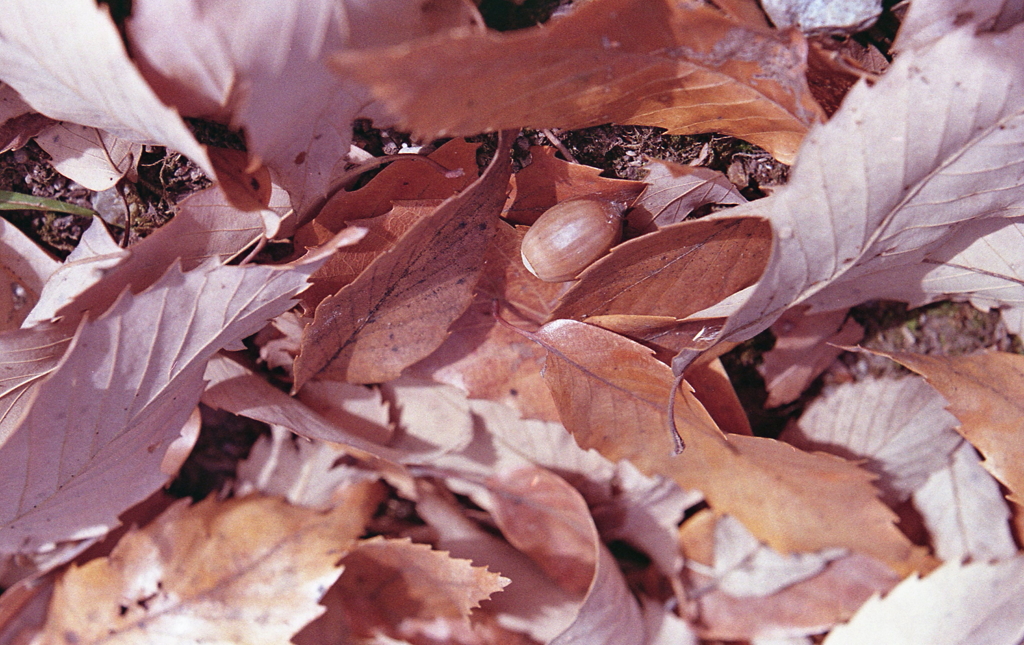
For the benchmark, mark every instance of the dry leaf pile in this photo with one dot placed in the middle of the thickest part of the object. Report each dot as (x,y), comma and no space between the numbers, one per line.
(459,452)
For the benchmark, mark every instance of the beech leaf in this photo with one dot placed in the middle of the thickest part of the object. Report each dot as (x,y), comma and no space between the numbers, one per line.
(73,67)
(958,603)
(246,570)
(97,427)
(985,392)
(687,68)
(674,271)
(613,396)
(398,310)
(914,186)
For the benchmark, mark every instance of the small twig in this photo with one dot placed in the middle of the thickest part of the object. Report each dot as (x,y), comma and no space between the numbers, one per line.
(555,141)
(255,250)
(349,177)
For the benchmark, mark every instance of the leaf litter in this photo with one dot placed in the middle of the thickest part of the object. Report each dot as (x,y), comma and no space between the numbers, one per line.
(448,449)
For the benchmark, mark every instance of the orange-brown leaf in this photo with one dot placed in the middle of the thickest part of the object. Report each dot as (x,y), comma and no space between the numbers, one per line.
(681,66)
(612,395)
(549,180)
(674,271)
(986,393)
(248,570)
(398,310)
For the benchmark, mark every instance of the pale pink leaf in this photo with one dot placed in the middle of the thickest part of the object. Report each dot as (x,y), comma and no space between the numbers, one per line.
(900,426)
(929,20)
(67,60)
(914,181)
(24,268)
(964,510)
(92,157)
(980,603)
(91,442)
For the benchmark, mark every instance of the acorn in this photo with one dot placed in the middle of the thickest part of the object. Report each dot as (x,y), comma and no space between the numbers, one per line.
(570,236)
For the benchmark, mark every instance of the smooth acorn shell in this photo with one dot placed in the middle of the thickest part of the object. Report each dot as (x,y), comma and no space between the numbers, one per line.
(569,237)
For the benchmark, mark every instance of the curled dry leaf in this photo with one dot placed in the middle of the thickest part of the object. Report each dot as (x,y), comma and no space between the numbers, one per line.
(805,346)
(73,67)
(404,589)
(128,382)
(613,396)
(399,308)
(246,570)
(549,180)
(673,191)
(985,392)
(24,269)
(872,222)
(93,158)
(674,271)
(684,67)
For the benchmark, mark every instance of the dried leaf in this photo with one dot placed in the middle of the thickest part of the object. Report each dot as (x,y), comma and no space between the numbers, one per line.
(24,268)
(687,68)
(26,357)
(965,512)
(128,382)
(398,310)
(985,393)
(673,191)
(869,223)
(613,395)
(830,17)
(260,66)
(674,271)
(93,158)
(974,603)
(898,425)
(488,360)
(401,588)
(928,20)
(805,346)
(248,570)
(549,180)
(73,67)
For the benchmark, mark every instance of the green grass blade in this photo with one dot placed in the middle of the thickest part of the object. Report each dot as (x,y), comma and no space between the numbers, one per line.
(10,201)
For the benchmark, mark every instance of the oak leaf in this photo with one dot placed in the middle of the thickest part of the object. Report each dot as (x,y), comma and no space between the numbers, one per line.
(684,67)
(246,570)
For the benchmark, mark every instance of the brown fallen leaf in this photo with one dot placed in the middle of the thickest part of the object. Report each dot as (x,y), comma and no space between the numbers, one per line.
(684,67)
(918,217)
(674,271)
(245,570)
(712,387)
(673,191)
(261,68)
(985,392)
(488,360)
(805,346)
(549,180)
(613,395)
(382,232)
(128,381)
(398,310)
(73,67)
(401,588)
(92,157)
